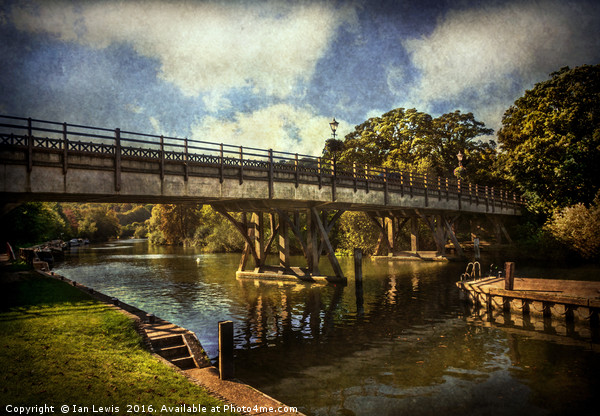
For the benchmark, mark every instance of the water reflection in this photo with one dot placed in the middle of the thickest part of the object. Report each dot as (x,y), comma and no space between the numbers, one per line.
(409,346)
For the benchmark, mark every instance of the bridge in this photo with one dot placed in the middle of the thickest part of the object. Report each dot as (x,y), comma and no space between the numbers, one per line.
(52,161)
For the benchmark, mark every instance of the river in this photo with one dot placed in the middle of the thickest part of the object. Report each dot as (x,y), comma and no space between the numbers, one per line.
(413,348)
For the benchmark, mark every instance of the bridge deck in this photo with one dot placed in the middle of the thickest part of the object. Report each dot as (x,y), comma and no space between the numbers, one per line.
(86,164)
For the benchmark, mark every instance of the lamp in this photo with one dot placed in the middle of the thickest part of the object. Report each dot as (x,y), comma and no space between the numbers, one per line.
(334,125)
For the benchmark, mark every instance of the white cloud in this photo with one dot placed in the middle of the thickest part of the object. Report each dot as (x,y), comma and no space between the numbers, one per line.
(202,46)
(482,56)
(280,127)
(214,102)
(134,108)
(155,125)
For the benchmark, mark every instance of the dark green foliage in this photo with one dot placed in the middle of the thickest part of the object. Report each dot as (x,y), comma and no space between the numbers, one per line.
(32,223)
(551,140)
(411,140)
(99,224)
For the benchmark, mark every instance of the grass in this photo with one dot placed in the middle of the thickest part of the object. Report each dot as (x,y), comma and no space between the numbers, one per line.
(59,346)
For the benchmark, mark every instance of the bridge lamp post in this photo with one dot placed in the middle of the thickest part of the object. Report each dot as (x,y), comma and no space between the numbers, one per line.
(334,125)
(459,170)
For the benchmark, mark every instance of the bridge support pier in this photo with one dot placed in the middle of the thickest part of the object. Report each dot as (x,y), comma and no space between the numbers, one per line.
(414,234)
(313,244)
(499,229)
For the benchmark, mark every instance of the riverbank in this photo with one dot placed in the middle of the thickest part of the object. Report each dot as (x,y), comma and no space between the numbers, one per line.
(61,347)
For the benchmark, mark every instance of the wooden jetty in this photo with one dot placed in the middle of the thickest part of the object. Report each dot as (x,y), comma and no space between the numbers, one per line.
(550,298)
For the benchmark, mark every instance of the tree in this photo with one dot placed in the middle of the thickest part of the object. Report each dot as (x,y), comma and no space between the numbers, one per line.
(99,224)
(32,223)
(217,234)
(174,223)
(411,140)
(550,140)
(333,148)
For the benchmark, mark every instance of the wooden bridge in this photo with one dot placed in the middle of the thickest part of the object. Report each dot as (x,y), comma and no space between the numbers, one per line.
(50,161)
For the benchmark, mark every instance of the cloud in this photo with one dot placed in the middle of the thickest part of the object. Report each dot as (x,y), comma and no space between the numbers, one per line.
(482,56)
(214,102)
(281,127)
(156,125)
(270,47)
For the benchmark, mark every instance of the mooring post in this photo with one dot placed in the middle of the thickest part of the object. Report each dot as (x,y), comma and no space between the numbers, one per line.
(358,281)
(509,278)
(226,368)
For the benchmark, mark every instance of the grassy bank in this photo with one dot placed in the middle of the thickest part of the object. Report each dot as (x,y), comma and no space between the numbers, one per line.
(60,347)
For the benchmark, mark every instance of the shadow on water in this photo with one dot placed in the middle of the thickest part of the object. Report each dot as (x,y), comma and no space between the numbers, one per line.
(411,347)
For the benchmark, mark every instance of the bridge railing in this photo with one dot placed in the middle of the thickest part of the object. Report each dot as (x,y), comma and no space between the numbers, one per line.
(30,134)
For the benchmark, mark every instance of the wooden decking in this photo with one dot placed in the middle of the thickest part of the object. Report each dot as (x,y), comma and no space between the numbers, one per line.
(566,299)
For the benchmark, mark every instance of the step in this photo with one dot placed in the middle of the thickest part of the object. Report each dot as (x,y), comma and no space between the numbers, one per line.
(184,363)
(178,351)
(167,341)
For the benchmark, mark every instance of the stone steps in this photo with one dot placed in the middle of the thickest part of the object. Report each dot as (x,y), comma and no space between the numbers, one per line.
(174,349)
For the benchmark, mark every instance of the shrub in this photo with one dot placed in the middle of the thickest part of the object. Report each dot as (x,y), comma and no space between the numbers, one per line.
(578,228)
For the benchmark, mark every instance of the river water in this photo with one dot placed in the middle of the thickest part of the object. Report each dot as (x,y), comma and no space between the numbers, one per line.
(412,347)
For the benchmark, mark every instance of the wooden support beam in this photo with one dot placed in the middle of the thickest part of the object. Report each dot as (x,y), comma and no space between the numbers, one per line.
(257,227)
(504,231)
(246,252)
(382,242)
(441,234)
(274,233)
(295,227)
(284,243)
(437,231)
(243,229)
(390,231)
(328,224)
(453,238)
(312,243)
(414,234)
(328,247)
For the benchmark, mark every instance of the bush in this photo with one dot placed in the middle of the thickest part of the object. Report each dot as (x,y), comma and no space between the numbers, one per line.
(578,228)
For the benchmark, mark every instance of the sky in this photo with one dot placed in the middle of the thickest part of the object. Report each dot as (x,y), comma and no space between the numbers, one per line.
(273,73)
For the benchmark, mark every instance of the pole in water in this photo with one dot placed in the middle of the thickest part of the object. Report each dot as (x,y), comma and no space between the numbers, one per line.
(226,368)
(358,281)
(509,275)
(476,248)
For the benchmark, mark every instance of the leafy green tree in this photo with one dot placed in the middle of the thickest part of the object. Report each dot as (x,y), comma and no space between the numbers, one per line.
(411,140)
(453,133)
(174,223)
(215,234)
(550,140)
(356,230)
(99,224)
(333,148)
(34,222)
